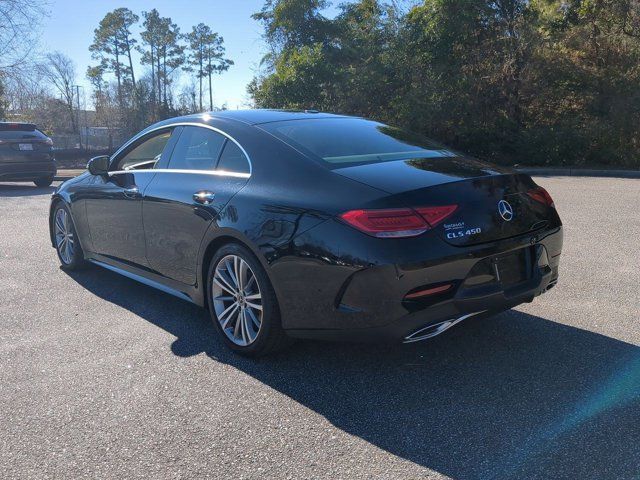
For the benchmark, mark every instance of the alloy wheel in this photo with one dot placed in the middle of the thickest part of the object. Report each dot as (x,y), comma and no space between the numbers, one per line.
(237,300)
(64,236)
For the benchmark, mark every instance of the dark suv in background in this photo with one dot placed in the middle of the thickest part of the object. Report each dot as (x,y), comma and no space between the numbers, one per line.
(26,154)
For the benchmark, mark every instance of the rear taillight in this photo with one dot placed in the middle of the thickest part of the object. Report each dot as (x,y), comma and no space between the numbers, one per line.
(48,141)
(397,222)
(434,215)
(539,194)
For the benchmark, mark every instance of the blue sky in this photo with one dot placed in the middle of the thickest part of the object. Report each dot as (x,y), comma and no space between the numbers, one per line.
(69,29)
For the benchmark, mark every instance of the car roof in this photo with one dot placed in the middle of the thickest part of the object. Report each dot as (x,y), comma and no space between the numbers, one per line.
(258,116)
(17,126)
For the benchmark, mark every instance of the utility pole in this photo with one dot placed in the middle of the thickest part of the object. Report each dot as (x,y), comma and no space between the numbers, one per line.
(78,113)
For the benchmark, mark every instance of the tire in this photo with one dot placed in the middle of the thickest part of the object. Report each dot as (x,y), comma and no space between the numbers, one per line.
(244,336)
(70,252)
(43,182)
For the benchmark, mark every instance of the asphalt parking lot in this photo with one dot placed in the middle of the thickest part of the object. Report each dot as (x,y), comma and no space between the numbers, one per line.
(102,377)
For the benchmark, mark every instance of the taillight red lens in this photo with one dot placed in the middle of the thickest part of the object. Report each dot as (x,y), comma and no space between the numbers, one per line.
(390,223)
(539,194)
(434,215)
(397,222)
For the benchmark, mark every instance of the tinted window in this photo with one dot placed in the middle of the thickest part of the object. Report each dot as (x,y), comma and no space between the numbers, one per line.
(146,154)
(233,160)
(342,141)
(16,134)
(197,149)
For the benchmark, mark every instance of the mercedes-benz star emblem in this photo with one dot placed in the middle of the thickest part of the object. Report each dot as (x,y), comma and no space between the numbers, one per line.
(505,210)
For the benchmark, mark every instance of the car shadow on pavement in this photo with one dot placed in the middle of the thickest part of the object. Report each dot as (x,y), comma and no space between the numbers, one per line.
(508,397)
(23,190)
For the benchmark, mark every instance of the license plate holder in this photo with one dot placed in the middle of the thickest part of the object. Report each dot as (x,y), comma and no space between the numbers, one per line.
(25,147)
(513,268)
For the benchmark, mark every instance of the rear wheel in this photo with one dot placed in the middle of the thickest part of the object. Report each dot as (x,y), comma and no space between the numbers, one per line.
(242,303)
(66,240)
(43,182)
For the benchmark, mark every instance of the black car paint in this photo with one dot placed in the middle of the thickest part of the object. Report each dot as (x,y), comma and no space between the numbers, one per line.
(330,279)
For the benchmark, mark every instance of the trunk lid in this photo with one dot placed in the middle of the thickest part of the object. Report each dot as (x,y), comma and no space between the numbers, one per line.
(23,145)
(492,202)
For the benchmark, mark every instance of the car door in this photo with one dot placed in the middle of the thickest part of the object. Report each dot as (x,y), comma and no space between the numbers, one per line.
(114,201)
(205,170)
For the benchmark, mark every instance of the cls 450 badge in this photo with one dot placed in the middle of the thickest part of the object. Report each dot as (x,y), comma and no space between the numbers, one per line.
(464,233)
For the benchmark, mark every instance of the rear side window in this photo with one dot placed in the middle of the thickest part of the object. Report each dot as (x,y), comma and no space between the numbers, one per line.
(196,149)
(232,159)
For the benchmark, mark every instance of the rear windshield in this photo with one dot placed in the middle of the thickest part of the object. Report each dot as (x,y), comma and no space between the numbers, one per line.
(17,134)
(341,142)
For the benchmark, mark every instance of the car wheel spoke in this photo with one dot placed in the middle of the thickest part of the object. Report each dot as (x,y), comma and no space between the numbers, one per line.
(255,306)
(243,269)
(238,325)
(221,282)
(227,298)
(254,319)
(227,315)
(231,272)
(59,222)
(250,283)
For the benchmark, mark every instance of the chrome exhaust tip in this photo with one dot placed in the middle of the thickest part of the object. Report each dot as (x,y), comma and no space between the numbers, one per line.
(436,329)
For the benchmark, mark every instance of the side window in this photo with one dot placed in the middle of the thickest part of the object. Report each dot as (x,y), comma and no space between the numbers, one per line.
(196,149)
(146,154)
(232,159)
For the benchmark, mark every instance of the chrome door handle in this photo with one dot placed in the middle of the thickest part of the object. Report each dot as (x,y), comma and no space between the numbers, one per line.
(132,192)
(204,197)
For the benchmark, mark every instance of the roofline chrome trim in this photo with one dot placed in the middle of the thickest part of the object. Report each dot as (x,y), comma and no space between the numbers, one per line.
(184,124)
(219,173)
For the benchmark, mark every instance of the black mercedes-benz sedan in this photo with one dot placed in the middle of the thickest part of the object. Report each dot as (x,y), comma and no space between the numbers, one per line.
(26,154)
(304,224)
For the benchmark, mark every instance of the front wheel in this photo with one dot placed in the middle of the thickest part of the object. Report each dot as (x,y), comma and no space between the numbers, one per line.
(66,239)
(242,303)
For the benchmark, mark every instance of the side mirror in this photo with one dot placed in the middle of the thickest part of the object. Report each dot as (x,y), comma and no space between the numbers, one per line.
(99,165)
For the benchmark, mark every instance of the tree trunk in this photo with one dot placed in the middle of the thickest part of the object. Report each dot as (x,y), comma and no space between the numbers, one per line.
(133,77)
(117,73)
(200,75)
(159,76)
(164,77)
(210,89)
(72,117)
(153,82)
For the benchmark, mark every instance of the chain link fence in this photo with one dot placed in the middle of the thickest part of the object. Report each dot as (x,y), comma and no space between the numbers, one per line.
(87,142)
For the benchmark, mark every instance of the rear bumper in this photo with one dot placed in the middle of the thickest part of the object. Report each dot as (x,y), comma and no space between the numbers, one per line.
(27,171)
(371,304)
(413,326)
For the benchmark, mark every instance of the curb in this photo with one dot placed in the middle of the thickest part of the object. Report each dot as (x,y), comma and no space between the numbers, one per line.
(66,174)
(579,172)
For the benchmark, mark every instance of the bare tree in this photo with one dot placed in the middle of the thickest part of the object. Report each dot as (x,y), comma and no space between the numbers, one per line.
(18,29)
(59,70)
